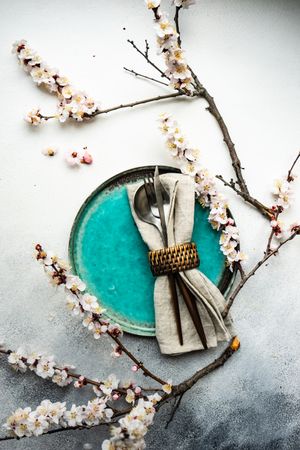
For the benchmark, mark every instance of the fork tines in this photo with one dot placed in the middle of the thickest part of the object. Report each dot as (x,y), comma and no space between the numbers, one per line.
(149,187)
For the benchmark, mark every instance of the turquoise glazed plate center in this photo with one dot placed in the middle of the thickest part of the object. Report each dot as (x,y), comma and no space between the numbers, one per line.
(108,254)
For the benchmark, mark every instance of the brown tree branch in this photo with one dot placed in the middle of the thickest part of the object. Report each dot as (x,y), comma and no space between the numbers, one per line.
(268,249)
(140,365)
(139,102)
(289,175)
(145,55)
(176,20)
(174,410)
(144,76)
(218,362)
(253,271)
(265,210)
(187,384)
(236,163)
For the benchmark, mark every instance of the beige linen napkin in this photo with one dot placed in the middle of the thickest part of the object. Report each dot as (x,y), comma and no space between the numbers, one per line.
(210,301)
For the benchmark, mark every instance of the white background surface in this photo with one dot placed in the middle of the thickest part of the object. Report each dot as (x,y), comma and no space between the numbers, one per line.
(247,54)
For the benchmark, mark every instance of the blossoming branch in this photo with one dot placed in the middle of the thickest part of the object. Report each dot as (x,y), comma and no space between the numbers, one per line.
(205,187)
(178,72)
(87,307)
(284,195)
(25,423)
(79,303)
(73,103)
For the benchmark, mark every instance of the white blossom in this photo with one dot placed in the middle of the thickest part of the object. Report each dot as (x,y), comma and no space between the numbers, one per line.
(130,396)
(108,385)
(96,411)
(74,416)
(45,367)
(73,158)
(16,360)
(155,398)
(279,228)
(74,283)
(132,428)
(73,305)
(56,411)
(183,3)
(117,351)
(283,193)
(37,424)
(34,117)
(167,388)
(89,302)
(61,378)
(49,151)
(151,4)
(99,329)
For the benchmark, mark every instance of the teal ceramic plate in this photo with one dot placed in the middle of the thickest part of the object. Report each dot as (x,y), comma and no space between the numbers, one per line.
(107,252)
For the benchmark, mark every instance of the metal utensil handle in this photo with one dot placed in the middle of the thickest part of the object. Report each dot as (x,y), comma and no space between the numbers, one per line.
(160,205)
(191,304)
(175,304)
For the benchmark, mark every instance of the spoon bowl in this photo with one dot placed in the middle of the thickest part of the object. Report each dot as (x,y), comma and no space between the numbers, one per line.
(143,209)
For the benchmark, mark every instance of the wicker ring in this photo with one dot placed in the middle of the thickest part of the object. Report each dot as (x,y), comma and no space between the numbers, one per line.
(174,259)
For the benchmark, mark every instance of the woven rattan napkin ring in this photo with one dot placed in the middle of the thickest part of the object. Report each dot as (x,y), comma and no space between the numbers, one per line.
(174,259)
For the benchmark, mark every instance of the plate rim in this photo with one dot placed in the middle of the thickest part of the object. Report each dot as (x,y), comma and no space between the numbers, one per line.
(228,276)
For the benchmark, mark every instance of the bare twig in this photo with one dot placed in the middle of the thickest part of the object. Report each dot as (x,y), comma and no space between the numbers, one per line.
(139,102)
(268,249)
(140,365)
(253,271)
(240,269)
(236,163)
(174,409)
(144,76)
(146,48)
(289,175)
(145,54)
(176,20)
(265,211)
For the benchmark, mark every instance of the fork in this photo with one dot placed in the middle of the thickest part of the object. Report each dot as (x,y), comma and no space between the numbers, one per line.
(150,191)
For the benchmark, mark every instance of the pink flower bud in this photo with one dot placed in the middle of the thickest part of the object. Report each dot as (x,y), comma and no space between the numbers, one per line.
(134,368)
(86,158)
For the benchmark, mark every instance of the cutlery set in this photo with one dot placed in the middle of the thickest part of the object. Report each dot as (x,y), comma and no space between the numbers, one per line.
(152,205)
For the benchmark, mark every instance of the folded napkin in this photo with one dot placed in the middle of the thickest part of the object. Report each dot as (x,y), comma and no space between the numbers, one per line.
(210,301)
